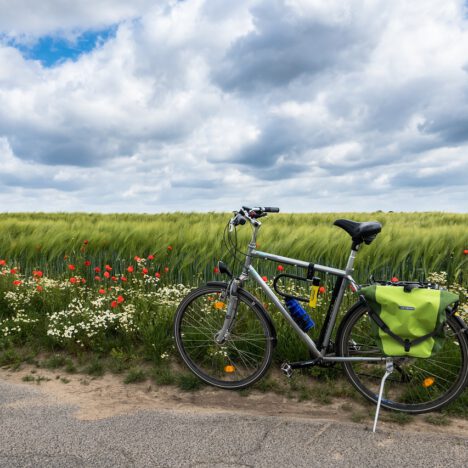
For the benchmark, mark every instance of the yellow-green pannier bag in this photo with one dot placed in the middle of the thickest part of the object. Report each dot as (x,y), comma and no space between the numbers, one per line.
(407,320)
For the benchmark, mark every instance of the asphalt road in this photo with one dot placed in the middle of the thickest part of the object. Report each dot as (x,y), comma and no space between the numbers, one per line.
(36,432)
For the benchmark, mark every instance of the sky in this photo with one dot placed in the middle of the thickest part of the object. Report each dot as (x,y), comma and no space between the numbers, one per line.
(201,105)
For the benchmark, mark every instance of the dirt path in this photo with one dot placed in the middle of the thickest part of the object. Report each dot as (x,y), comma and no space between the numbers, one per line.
(103,397)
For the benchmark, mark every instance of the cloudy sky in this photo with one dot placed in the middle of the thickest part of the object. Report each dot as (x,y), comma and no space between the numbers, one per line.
(198,105)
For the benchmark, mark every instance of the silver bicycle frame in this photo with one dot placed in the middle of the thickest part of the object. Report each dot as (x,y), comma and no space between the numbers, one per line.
(249,271)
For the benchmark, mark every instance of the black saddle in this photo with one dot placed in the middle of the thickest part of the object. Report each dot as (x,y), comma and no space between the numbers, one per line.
(360,232)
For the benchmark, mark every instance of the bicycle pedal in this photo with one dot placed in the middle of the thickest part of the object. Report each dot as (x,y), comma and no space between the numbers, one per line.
(287,369)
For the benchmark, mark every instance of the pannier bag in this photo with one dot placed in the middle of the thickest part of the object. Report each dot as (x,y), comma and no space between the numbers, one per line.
(407,320)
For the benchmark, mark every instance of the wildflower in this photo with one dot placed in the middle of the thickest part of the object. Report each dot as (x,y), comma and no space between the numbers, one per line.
(37,273)
(114,304)
(264,278)
(97,278)
(215,269)
(2,262)
(106,274)
(97,269)
(166,269)
(123,278)
(73,280)
(114,278)
(136,258)
(39,288)
(394,279)
(83,281)
(465,252)
(150,257)
(120,299)
(102,291)
(322,289)
(280,267)
(87,263)
(17,282)
(13,271)
(85,242)
(169,248)
(71,267)
(145,271)
(157,274)
(108,268)
(130,269)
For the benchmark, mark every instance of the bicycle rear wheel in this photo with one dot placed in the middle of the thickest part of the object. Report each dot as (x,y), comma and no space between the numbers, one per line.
(243,358)
(416,385)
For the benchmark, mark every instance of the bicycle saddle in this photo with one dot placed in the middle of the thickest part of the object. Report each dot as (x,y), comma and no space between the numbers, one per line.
(360,232)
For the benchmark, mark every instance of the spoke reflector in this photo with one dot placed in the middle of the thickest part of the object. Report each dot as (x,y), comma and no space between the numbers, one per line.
(427,382)
(229,369)
(219,305)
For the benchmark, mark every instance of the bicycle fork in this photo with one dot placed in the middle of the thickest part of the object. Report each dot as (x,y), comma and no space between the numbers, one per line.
(233,299)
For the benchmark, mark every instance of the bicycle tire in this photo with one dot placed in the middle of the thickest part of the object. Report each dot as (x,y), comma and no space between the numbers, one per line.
(416,385)
(243,358)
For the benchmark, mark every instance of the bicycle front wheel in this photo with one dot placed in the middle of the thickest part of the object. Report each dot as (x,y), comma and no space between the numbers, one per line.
(416,385)
(238,362)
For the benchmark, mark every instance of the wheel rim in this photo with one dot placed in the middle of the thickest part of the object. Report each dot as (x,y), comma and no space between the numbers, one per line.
(415,384)
(240,358)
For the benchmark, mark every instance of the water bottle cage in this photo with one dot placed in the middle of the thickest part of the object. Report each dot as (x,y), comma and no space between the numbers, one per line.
(286,295)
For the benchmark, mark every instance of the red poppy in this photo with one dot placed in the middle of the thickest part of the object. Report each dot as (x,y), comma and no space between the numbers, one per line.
(280,267)
(97,278)
(136,258)
(37,273)
(97,269)
(87,263)
(13,271)
(150,257)
(465,252)
(114,304)
(17,282)
(106,274)
(215,269)
(83,281)
(169,247)
(71,267)
(394,279)
(73,280)
(130,269)
(264,278)
(157,274)
(102,291)
(123,278)
(120,299)
(322,289)
(145,271)
(166,269)
(2,262)
(108,268)
(39,288)
(85,242)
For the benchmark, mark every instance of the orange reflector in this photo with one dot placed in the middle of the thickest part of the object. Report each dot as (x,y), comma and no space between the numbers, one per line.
(427,382)
(229,369)
(219,305)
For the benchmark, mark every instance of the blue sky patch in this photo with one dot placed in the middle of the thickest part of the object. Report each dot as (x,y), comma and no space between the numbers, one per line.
(52,50)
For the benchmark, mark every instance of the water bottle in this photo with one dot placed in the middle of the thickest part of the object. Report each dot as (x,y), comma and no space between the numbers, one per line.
(300,316)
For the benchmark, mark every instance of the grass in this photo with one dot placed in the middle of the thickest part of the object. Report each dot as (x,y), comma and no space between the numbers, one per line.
(135,375)
(410,243)
(438,419)
(188,382)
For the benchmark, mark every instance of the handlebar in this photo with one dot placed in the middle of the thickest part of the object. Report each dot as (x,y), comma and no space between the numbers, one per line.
(251,214)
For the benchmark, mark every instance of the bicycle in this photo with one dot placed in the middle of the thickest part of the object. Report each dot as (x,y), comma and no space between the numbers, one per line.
(226,337)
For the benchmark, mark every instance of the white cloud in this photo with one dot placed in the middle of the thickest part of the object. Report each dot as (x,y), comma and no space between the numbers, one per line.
(205,105)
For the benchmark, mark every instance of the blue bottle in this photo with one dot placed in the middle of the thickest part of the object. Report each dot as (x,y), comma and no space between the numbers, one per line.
(300,316)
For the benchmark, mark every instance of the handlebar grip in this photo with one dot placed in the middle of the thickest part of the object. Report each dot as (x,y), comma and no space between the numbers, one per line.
(271,209)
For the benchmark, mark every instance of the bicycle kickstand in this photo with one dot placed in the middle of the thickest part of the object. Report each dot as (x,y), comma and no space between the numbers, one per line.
(388,371)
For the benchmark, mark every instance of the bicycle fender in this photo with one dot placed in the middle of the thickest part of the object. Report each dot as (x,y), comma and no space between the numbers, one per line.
(257,304)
